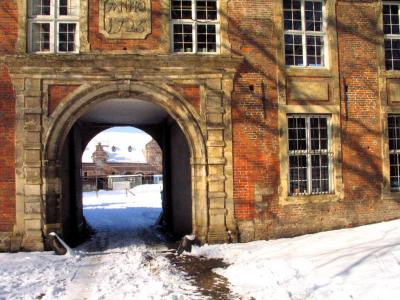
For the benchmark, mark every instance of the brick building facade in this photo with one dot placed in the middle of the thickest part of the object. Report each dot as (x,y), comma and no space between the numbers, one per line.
(287,111)
(96,173)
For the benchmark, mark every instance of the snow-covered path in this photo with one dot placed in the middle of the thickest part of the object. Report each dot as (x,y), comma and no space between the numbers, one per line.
(123,260)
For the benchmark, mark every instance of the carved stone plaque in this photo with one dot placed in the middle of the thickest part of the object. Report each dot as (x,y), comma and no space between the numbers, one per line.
(125,19)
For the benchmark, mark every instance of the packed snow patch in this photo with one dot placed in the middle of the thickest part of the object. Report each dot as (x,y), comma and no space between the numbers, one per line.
(357,263)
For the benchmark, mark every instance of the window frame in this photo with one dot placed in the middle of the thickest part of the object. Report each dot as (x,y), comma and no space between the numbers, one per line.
(304,33)
(54,19)
(392,151)
(194,22)
(308,152)
(389,36)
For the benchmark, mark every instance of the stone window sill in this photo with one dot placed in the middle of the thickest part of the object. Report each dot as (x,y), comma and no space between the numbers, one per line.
(305,199)
(308,71)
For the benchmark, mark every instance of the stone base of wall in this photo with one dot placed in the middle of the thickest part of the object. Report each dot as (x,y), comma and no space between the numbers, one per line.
(5,241)
(295,220)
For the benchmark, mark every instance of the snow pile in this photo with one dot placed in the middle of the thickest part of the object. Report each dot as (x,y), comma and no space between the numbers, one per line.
(358,263)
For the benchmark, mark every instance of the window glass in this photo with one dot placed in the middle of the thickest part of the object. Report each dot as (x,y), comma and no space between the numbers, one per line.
(304,33)
(53,26)
(394,151)
(40,7)
(194,26)
(66,40)
(309,155)
(41,37)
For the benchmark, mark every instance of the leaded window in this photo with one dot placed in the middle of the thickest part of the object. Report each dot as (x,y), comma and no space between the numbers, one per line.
(195,26)
(305,35)
(391,29)
(394,151)
(309,154)
(53,26)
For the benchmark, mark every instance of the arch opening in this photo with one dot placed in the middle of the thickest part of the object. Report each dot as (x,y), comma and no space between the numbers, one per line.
(168,125)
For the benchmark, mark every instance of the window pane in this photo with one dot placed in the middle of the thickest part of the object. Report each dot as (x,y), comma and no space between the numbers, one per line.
(313,16)
(298,174)
(394,149)
(297,134)
(392,53)
(319,133)
(63,8)
(394,172)
(183,38)
(66,37)
(292,14)
(41,37)
(319,174)
(181,9)
(314,46)
(41,7)
(309,154)
(206,9)
(68,7)
(206,38)
(293,49)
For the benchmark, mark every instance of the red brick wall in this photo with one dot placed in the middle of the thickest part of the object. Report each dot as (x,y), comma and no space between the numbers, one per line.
(255,126)
(99,43)
(8,26)
(191,93)
(255,134)
(57,93)
(7,152)
(361,144)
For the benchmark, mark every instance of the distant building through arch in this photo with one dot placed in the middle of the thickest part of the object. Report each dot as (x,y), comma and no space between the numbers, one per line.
(98,174)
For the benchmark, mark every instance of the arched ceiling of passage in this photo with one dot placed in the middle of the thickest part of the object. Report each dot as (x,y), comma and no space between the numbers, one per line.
(126,111)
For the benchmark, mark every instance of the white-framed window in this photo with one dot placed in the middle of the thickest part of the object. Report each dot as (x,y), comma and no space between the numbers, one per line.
(195,26)
(394,151)
(305,33)
(53,26)
(309,154)
(391,29)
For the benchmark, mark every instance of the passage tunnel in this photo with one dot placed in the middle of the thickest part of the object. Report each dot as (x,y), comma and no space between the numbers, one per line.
(152,119)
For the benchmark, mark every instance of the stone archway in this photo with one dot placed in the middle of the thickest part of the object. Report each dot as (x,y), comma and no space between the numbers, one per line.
(165,80)
(65,116)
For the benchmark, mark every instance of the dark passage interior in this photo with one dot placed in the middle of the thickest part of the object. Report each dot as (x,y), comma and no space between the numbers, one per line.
(177,193)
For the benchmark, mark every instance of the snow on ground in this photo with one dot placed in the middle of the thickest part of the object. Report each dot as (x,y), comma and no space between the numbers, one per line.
(123,261)
(34,275)
(358,263)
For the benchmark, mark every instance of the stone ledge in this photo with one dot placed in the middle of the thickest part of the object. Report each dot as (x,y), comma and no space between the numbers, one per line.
(58,64)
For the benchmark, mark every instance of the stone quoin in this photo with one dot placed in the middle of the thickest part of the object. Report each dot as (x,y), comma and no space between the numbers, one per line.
(275,118)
